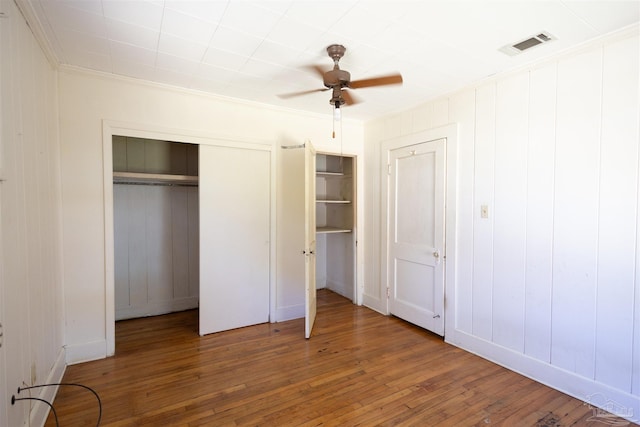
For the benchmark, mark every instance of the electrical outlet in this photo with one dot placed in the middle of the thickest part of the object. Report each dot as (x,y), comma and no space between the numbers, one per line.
(484,211)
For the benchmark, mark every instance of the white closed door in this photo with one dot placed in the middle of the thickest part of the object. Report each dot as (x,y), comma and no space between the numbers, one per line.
(310,238)
(416,234)
(235,224)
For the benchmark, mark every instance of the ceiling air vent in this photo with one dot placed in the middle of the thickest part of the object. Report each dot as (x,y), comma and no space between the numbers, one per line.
(521,46)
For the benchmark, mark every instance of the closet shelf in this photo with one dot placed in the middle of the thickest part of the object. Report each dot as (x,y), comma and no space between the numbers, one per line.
(159,178)
(333,201)
(327,230)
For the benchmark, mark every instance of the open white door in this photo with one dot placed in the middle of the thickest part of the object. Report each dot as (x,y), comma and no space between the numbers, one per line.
(416,234)
(235,215)
(310,238)
(4,420)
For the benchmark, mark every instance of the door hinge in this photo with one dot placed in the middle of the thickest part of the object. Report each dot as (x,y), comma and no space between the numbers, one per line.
(388,168)
(388,293)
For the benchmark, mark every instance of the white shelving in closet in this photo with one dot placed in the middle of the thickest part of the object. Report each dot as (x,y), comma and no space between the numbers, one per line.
(335,223)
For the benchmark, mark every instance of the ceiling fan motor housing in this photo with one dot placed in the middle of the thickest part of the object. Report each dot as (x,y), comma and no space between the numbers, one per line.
(336,77)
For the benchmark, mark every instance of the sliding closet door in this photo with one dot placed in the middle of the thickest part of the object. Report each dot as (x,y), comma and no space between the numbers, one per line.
(235,194)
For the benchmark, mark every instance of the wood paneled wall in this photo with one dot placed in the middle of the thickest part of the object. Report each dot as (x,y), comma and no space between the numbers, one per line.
(156,249)
(31,308)
(548,284)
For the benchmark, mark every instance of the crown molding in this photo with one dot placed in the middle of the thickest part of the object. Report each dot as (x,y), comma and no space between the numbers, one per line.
(111,77)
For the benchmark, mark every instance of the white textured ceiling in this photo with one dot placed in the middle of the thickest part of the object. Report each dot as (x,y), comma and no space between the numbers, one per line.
(256,50)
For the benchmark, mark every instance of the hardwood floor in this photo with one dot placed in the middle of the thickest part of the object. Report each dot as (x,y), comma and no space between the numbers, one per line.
(358,369)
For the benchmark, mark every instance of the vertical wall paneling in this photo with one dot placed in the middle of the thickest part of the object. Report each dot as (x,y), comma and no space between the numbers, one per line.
(462,112)
(549,283)
(576,212)
(30,187)
(509,211)
(180,241)
(157,157)
(406,123)
(440,113)
(16,328)
(119,153)
(429,116)
(539,207)
(121,215)
(194,239)
(136,234)
(635,360)
(635,366)
(31,136)
(484,157)
(30,259)
(135,155)
(159,244)
(420,117)
(617,214)
(373,288)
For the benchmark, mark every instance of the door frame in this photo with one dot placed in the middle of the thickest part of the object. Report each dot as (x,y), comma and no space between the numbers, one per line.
(137,130)
(450,134)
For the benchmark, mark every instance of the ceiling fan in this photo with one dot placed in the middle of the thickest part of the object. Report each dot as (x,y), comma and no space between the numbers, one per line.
(338,81)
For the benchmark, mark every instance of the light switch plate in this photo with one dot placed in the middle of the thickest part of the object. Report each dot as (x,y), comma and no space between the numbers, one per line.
(484,211)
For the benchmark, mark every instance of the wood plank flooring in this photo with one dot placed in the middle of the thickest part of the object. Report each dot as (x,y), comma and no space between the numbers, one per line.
(359,368)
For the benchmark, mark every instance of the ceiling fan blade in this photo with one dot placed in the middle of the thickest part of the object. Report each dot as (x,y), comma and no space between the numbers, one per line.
(377,81)
(305,92)
(349,99)
(316,69)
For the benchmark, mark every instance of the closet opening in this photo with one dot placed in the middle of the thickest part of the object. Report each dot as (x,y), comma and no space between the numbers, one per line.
(156,227)
(336,224)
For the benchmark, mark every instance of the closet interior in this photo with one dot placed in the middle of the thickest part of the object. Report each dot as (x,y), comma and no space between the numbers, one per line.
(335,224)
(155,199)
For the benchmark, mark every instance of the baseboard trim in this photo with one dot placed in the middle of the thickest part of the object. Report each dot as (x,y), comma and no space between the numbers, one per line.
(593,393)
(78,353)
(375,304)
(289,313)
(40,411)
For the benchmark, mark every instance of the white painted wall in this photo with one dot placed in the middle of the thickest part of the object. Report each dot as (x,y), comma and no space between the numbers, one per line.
(548,285)
(31,311)
(86,99)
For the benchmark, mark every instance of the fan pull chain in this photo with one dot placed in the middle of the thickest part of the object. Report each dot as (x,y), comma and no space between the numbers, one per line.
(341,151)
(333,131)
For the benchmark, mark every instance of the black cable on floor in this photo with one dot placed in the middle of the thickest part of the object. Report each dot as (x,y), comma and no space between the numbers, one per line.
(55,416)
(66,384)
